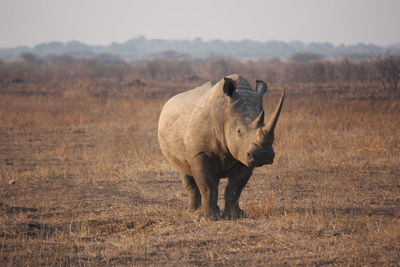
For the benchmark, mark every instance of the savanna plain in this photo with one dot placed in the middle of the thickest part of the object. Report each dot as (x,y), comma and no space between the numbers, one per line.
(83,181)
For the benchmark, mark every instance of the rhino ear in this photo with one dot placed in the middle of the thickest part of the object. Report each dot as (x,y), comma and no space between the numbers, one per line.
(229,87)
(261,87)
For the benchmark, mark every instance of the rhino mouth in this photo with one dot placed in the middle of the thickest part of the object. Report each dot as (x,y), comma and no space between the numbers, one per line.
(259,164)
(258,157)
(255,164)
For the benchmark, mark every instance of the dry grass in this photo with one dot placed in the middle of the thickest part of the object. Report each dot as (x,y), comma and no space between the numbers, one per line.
(92,188)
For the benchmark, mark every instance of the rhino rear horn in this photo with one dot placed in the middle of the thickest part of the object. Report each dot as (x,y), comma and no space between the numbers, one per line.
(261,87)
(229,86)
(259,121)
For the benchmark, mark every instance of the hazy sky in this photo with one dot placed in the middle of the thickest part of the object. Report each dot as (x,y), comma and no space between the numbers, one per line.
(29,22)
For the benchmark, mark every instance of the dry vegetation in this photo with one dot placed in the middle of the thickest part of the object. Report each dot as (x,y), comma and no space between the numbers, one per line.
(83,181)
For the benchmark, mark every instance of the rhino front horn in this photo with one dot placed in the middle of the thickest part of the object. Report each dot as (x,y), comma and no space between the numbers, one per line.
(270,126)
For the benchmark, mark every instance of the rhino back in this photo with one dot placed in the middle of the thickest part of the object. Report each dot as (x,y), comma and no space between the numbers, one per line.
(175,118)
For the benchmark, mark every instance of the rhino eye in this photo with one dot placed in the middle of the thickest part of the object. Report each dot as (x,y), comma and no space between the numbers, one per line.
(239,132)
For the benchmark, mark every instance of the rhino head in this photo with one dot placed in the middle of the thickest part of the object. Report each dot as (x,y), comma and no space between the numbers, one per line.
(248,136)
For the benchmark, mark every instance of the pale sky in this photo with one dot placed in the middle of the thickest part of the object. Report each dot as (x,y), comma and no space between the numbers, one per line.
(30,22)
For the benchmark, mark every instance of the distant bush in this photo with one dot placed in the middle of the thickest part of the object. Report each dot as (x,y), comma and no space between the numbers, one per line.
(388,68)
(306,57)
(169,69)
(104,66)
(31,58)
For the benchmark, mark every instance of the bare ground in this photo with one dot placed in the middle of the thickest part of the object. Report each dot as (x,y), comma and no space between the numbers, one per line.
(83,182)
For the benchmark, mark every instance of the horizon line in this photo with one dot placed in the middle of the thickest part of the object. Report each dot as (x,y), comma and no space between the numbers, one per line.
(205,40)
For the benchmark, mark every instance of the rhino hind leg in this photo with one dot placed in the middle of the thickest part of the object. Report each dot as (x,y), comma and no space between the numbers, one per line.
(236,183)
(194,193)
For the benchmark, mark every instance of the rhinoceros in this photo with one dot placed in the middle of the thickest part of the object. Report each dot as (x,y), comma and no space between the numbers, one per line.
(217,131)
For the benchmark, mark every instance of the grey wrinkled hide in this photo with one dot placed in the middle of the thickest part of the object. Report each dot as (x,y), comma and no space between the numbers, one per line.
(217,131)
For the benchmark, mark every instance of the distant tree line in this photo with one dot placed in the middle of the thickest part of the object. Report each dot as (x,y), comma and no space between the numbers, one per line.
(301,68)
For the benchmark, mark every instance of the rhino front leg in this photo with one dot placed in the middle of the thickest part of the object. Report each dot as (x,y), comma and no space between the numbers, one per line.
(194,194)
(236,183)
(203,170)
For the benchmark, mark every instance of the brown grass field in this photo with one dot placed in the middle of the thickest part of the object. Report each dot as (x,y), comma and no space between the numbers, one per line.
(83,183)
